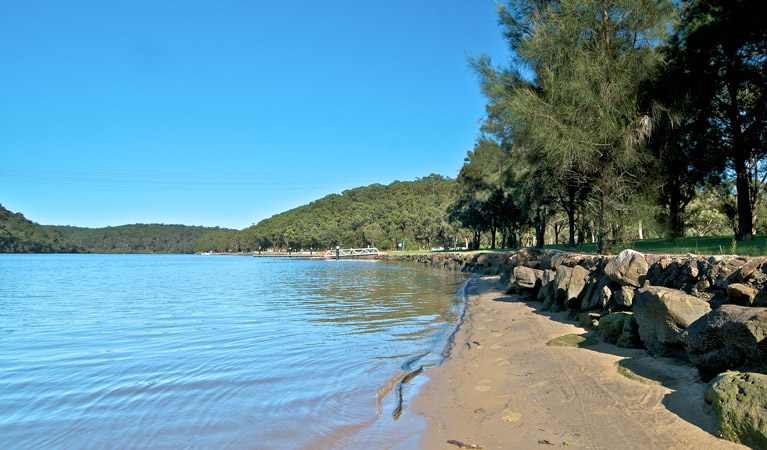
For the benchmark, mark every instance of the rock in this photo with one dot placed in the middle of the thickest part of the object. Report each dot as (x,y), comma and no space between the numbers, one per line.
(741,294)
(656,270)
(749,267)
(485,259)
(597,294)
(550,304)
(690,268)
(561,282)
(576,286)
(629,268)
(547,285)
(506,275)
(630,338)
(589,320)
(546,257)
(526,257)
(727,338)
(604,296)
(661,314)
(739,401)
(624,297)
(527,278)
(611,326)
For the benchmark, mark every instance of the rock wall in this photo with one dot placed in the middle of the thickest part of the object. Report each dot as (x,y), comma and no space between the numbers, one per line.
(709,310)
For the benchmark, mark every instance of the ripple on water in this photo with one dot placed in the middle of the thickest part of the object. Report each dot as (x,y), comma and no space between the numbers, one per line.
(176,351)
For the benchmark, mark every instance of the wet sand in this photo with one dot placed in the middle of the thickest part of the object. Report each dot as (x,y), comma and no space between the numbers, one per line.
(503,387)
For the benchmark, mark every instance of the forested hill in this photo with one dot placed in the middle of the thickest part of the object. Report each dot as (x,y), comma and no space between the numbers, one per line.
(20,235)
(137,238)
(411,212)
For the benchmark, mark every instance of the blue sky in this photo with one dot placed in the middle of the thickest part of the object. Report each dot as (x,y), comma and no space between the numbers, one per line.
(225,113)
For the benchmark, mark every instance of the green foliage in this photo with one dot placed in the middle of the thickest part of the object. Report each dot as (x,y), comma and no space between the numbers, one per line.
(413,212)
(19,235)
(711,213)
(486,201)
(719,58)
(138,238)
(575,116)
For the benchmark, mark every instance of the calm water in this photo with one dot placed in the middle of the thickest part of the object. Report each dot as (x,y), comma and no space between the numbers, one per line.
(168,351)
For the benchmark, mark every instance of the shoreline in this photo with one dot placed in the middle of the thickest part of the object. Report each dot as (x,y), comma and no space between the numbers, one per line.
(501,386)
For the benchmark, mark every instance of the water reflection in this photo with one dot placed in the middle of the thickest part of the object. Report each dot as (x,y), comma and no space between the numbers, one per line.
(183,351)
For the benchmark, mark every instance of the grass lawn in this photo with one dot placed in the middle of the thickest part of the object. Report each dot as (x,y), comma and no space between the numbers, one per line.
(708,245)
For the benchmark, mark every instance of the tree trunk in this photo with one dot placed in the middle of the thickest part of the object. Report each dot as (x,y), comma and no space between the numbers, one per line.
(740,157)
(758,191)
(744,203)
(540,226)
(477,239)
(604,230)
(571,216)
(513,238)
(675,214)
(581,229)
(504,231)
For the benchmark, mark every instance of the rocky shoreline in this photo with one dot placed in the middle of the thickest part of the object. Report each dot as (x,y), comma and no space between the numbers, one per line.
(710,311)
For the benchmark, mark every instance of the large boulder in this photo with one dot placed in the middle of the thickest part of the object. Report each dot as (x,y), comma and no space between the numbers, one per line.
(624,297)
(550,259)
(611,326)
(597,294)
(630,337)
(741,294)
(739,401)
(750,267)
(589,320)
(726,338)
(561,282)
(526,257)
(527,278)
(547,285)
(629,268)
(662,313)
(576,286)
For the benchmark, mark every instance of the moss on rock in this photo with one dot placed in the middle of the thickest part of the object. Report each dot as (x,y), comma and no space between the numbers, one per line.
(740,402)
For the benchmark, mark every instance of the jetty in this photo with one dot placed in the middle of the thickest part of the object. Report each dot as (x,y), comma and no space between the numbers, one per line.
(338,253)
(346,253)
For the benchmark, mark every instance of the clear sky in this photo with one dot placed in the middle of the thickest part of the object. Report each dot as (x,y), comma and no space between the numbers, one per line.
(223,113)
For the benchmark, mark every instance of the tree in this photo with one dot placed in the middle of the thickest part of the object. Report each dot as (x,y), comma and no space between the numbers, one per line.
(572,94)
(486,203)
(721,48)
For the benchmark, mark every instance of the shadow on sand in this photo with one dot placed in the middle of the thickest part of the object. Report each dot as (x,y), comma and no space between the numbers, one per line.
(680,377)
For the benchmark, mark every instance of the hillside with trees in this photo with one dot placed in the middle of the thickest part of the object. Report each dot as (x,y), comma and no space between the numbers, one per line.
(20,235)
(413,213)
(137,238)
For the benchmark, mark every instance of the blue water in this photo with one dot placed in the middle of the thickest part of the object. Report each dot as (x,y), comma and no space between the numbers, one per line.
(176,351)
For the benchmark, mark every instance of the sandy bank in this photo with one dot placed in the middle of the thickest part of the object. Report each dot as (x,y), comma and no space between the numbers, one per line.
(503,387)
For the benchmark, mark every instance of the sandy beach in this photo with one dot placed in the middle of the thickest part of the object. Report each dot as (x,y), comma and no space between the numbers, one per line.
(503,387)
